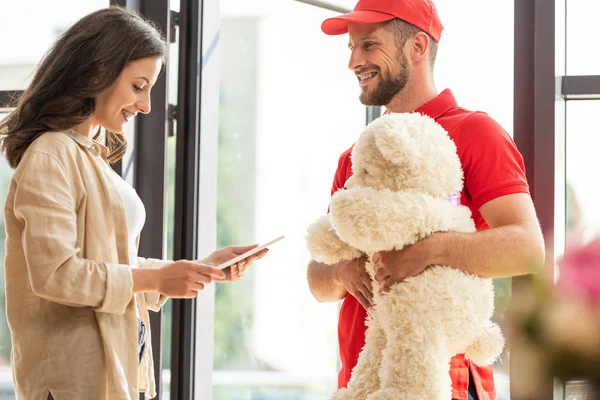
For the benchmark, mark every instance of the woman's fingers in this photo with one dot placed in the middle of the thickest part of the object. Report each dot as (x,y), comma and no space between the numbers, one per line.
(237,250)
(209,270)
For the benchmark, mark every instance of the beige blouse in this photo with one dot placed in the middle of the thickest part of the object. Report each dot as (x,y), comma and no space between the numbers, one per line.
(69,288)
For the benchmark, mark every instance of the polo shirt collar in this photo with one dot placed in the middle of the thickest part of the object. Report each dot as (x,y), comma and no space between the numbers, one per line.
(439,105)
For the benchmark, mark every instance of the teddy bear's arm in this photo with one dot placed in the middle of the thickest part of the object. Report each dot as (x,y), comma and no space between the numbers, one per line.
(324,244)
(381,220)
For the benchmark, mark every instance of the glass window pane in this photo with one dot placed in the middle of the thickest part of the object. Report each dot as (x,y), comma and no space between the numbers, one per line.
(582,195)
(583,213)
(6,383)
(482,80)
(581,35)
(167,309)
(276,68)
(578,391)
(27,35)
(288,109)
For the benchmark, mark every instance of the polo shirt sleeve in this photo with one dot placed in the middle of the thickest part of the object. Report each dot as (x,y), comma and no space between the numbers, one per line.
(340,178)
(492,165)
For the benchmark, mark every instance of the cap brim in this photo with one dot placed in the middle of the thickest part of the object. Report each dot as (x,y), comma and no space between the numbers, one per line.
(339,25)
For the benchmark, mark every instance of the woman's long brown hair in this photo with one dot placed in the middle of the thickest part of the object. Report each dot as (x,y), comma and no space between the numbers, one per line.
(84,62)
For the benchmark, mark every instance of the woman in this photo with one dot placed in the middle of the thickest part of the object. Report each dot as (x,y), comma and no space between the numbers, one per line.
(77,294)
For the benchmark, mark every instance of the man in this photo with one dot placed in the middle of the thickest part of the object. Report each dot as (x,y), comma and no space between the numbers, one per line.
(393,46)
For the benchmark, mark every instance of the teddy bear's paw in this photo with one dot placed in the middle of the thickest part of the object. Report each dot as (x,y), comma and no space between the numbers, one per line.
(324,244)
(343,394)
(487,347)
(392,394)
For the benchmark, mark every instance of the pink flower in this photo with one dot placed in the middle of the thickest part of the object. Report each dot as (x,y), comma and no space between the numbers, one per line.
(580,273)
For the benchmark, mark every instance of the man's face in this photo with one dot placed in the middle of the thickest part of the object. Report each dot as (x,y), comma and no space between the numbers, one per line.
(381,68)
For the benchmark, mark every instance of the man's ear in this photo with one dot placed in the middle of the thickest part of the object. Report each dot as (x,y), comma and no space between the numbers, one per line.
(420,43)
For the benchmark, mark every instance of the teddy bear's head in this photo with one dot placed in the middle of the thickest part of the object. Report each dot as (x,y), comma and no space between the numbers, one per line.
(409,152)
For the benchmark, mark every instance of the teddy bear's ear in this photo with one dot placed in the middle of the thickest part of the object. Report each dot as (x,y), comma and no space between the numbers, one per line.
(394,142)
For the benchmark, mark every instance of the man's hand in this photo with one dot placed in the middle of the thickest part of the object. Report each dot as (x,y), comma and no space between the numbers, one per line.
(395,266)
(354,277)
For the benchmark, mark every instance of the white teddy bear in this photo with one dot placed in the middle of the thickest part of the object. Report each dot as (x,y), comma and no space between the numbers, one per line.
(405,170)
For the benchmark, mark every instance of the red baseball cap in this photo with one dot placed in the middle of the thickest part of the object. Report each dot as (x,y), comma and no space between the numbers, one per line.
(420,13)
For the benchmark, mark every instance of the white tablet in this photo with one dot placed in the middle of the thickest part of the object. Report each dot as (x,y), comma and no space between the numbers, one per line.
(249,253)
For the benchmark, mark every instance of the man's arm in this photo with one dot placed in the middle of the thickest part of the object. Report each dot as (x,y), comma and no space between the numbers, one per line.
(331,283)
(323,282)
(513,245)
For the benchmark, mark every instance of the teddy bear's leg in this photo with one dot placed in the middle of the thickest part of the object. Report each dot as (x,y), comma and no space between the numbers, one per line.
(365,379)
(415,362)
(414,370)
(487,345)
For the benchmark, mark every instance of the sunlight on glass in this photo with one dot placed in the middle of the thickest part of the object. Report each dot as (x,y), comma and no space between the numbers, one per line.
(583,214)
(582,21)
(289,108)
(481,80)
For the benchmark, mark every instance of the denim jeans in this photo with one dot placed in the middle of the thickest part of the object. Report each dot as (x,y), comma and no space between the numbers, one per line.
(141,338)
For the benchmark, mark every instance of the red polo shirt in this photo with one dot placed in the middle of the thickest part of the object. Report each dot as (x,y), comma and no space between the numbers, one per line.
(493,167)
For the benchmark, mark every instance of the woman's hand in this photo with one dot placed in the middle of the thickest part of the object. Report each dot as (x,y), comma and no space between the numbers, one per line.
(235,271)
(180,279)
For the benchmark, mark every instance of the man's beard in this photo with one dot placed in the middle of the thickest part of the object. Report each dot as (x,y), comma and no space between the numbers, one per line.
(389,87)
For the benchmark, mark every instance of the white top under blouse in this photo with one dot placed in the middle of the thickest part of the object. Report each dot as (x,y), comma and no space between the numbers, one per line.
(134,208)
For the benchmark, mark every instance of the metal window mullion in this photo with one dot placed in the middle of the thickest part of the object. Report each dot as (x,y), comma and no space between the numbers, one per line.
(534,127)
(580,87)
(373,112)
(186,192)
(150,168)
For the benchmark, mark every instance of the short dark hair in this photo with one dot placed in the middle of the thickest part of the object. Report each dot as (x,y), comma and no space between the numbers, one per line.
(85,61)
(403,31)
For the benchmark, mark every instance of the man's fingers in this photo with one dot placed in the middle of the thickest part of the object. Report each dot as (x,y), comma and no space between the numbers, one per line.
(376,258)
(368,296)
(380,275)
(365,291)
(367,284)
(363,301)
(388,282)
